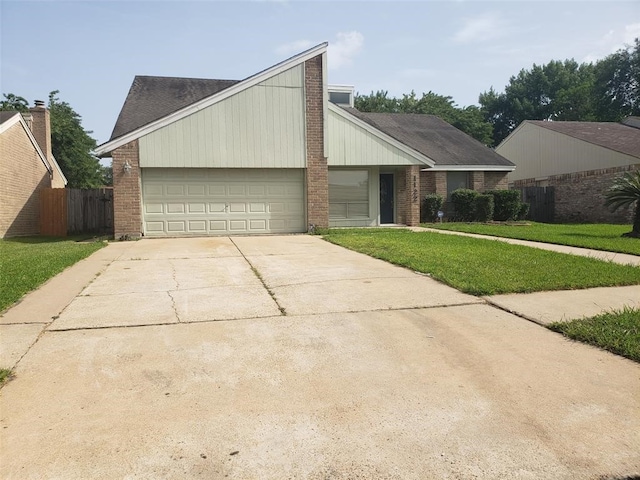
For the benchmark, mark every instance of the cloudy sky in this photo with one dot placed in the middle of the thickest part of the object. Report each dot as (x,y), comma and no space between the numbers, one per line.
(91,50)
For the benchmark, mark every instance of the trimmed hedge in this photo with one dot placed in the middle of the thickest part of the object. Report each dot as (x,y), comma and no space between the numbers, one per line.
(431,204)
(506,204)
(464,204)
(484,208)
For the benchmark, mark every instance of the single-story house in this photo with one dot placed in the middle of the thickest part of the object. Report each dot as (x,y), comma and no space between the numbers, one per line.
(26,167)
(579,159)
(278,152)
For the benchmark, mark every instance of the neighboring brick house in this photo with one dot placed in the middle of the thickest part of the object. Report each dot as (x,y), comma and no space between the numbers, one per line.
(579,159)
(26,166)
(278,152)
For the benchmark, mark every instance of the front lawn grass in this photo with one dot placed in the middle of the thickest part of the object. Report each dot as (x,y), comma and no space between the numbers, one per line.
(484,267)
(617,331)
(600,236)
(28,262)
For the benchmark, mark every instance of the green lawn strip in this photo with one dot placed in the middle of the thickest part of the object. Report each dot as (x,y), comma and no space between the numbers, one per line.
(26,263)
(484,267)
(617,331)
(596,236)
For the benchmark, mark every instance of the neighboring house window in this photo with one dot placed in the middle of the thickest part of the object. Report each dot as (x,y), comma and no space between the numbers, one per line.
(456,180)
(348,194)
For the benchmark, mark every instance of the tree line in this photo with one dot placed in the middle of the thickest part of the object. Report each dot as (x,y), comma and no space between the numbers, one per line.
(606,91)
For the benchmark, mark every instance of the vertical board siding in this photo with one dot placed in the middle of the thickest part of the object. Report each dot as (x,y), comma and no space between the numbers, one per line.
(539,152)
(352,145)
(261,127)
(90,210)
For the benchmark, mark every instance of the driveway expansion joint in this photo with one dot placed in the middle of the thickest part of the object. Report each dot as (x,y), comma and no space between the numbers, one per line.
(257,274)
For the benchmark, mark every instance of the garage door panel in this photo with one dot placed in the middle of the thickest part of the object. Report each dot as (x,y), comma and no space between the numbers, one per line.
(221,201)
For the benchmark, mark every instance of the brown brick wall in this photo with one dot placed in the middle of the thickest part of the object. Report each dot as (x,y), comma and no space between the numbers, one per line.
(412,196)
(496,181)
(579,197)
(127,200)
(401,198)
(317,171)
(476,181)
(22,175)
(41,129)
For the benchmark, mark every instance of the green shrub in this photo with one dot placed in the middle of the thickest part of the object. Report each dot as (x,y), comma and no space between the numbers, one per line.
(506,204)
(524,211)
(431,204)
(484,208)
(463,201)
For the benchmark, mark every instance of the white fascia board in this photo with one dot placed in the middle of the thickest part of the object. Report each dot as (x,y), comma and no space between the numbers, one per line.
(212,100)
(471,168)
(18,119)
(382,136)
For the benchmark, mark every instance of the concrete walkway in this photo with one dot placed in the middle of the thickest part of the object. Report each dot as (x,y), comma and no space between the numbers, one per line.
(289,357)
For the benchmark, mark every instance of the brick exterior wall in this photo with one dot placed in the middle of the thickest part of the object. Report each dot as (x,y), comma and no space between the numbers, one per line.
(496,180)
(41,129)
(22,176)
(317,171)
(401,198)
(127,199)
(579,197)
(436,182)
(412,196)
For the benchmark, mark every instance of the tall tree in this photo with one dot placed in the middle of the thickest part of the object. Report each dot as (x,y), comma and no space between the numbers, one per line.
(608,90)
(13,102)
(469,119)
(72,146)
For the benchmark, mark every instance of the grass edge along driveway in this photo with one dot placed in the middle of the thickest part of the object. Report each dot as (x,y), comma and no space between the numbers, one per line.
(28,262)
(602,236)
(484,267)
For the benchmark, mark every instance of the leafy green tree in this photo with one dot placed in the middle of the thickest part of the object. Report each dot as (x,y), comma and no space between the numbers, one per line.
(12,102)
(625,192)
(608,90)
(72,146)
(107,176)
(617,84)
(469,119)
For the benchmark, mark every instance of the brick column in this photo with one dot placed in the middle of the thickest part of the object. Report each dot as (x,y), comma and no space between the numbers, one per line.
(127,200)
(317,171)
(412,201)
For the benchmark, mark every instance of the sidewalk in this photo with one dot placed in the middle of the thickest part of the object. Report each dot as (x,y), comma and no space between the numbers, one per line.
(563,305)
(22,324)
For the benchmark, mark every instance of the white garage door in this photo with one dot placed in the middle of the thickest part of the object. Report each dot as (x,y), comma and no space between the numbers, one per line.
(195,201)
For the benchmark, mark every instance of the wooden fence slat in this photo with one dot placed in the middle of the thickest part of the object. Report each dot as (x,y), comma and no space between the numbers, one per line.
(53,212)
(74,211)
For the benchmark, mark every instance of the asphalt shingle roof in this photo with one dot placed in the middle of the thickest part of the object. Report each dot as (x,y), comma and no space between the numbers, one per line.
(614,136)
(433,137)
(152,98)
(4,116)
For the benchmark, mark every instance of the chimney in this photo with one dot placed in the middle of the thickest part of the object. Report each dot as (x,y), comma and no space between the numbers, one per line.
(41,127)
(28,119)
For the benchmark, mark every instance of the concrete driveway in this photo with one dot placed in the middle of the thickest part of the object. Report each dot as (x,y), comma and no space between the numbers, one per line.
(288,357)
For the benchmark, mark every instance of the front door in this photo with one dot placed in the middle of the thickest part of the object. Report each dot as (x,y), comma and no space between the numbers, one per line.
(386,198)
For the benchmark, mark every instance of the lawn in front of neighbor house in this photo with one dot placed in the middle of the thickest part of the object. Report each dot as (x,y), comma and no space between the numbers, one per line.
(28,262)
(616,331)
(484,267)
(600,236)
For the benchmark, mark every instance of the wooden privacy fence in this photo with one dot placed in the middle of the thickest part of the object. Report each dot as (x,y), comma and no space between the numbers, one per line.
(65,211)
(541,202)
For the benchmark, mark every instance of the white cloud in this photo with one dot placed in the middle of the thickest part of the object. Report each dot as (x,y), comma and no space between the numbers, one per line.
(612,41)
(344,49)
(340,52)
(488,26)
(294,47)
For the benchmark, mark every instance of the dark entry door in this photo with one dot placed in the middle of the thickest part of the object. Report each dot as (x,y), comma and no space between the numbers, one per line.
(386,198)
